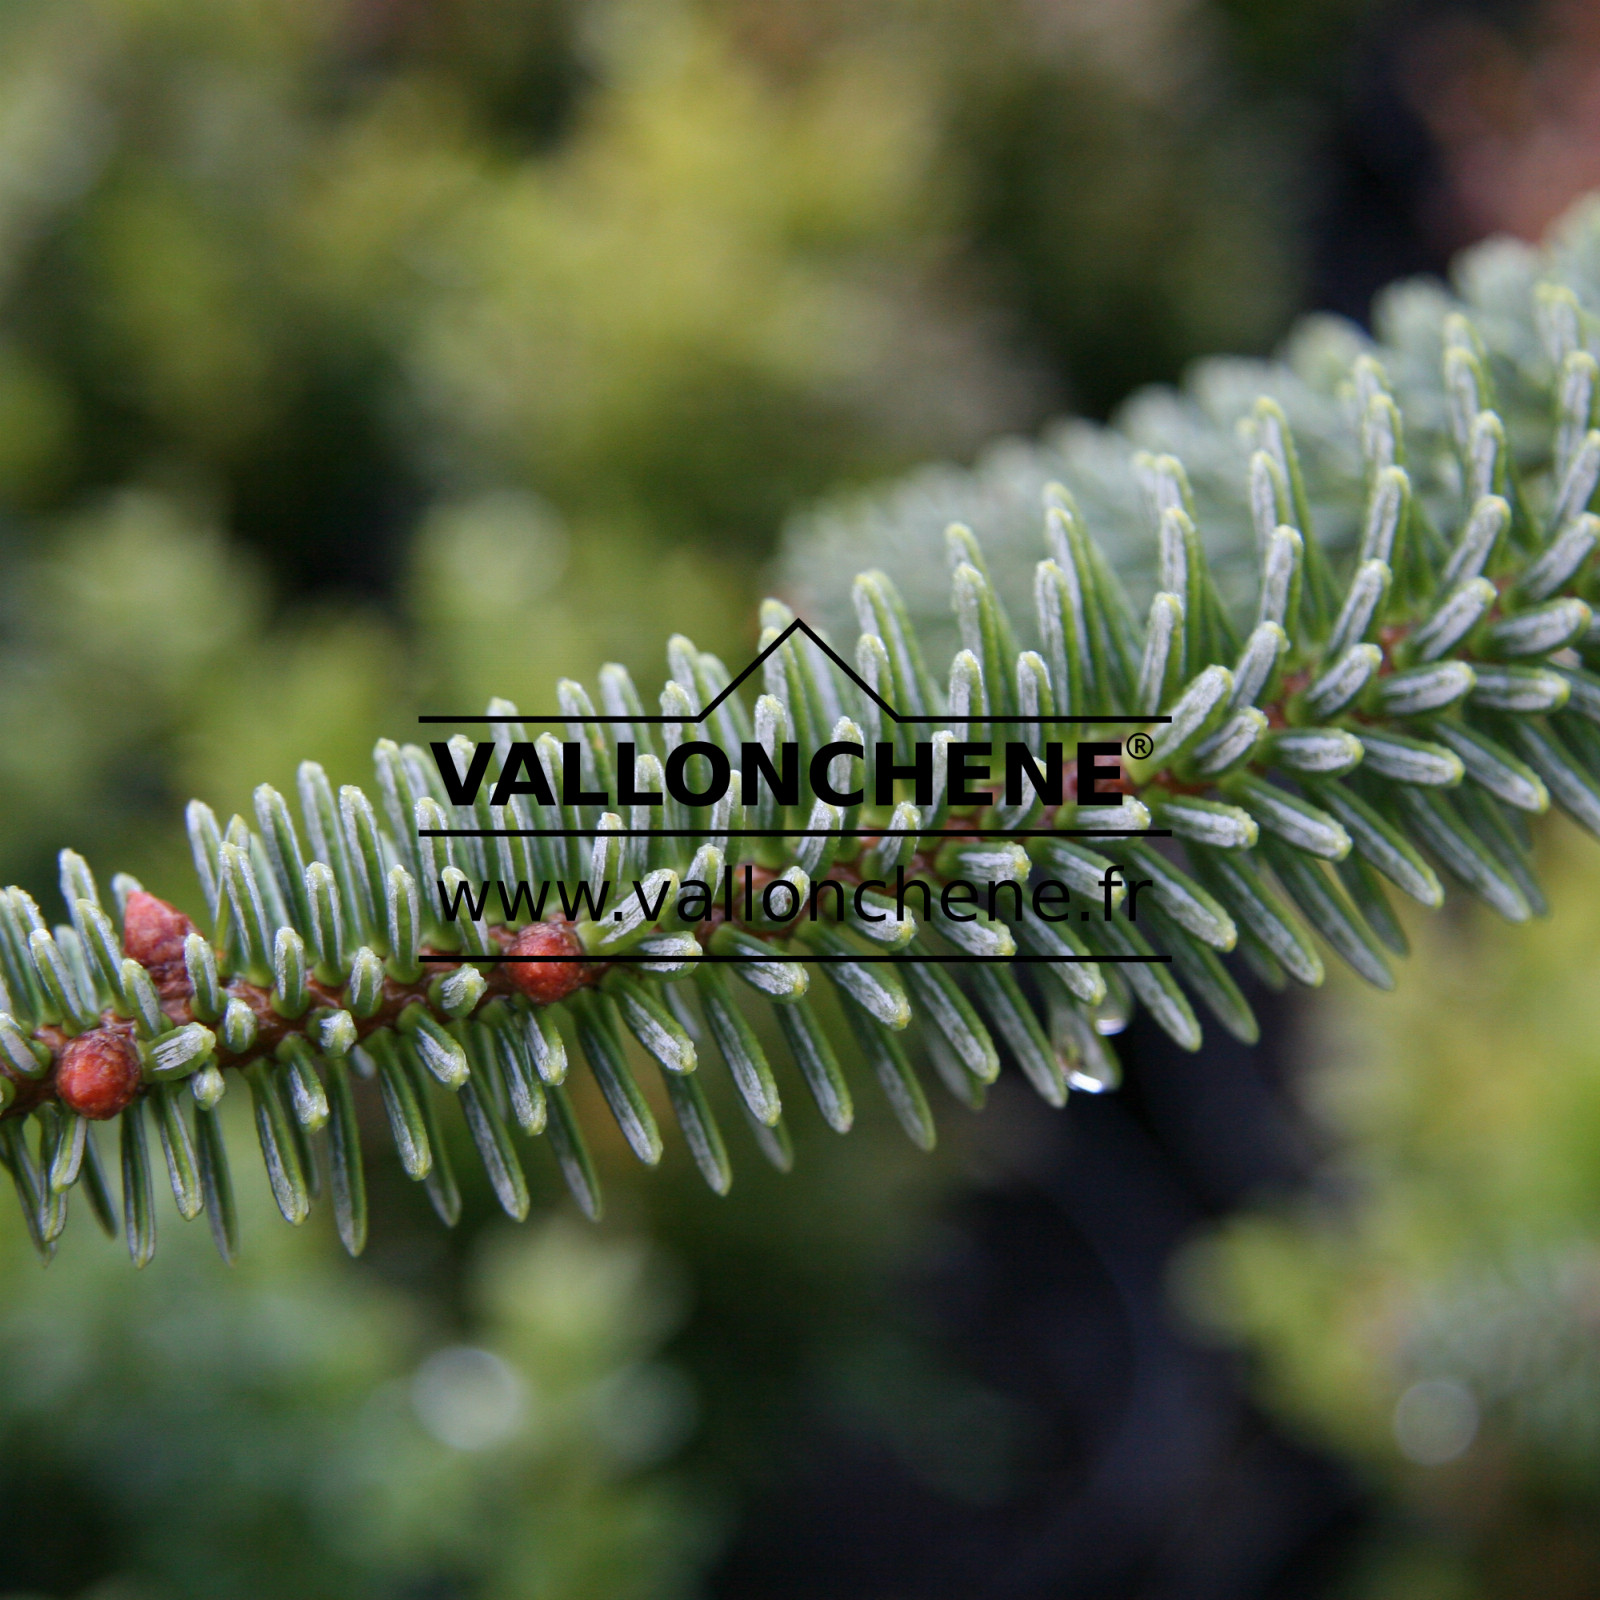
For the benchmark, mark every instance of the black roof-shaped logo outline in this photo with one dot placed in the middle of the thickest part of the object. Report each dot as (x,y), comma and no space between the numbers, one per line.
(799,625)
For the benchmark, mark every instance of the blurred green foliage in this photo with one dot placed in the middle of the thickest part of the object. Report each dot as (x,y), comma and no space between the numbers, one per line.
(292,1428)
(1431,1310)
(326,263)
(671,266)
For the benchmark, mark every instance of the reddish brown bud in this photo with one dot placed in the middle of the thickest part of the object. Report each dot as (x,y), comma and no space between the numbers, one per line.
(548,980)
(153,933)
(99,1073)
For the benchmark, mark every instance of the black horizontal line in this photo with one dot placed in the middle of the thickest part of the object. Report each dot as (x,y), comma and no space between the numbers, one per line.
(778,955)
(660,720)
(976,834)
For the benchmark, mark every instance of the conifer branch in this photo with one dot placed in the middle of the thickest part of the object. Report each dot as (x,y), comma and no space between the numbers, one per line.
(1385,714)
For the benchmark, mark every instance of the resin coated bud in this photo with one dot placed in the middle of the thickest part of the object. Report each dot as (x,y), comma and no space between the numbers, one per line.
(99,1073)
(153,933)
(545,981)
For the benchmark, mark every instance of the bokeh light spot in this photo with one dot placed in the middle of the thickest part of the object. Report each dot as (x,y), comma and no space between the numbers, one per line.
(1435,1421)
(468,1398)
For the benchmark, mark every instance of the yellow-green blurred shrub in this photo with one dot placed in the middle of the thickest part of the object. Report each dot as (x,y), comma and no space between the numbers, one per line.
(290,1428)
(315,260)
(1432,1311)
(670,265)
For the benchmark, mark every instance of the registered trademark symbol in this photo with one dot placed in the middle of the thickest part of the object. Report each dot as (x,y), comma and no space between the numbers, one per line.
(1140,745)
